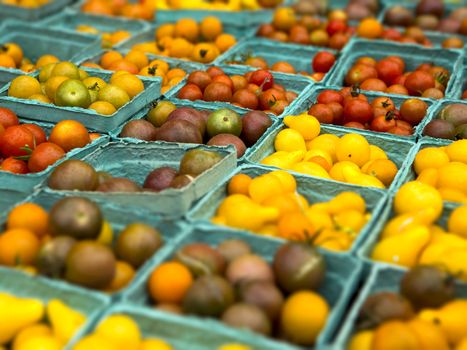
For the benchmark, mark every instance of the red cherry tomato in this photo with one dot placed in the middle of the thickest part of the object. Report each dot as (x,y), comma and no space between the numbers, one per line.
(323,61)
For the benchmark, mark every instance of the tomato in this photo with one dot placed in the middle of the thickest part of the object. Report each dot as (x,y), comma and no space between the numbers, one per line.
(359,73)
(190,92)
(391,34)
(323,61)
(256,62)
(278,107)
(278,87)
(336,26)
(262,78)
(388,70)
(214,71)
(337,112)
(383,123)
(424,67)
(254,88)
(373,85)
(397,89)
(269,97)
(464,95)
(16,141)
(369,61)
(353,94)
(224,79)
(239,82)
(383,102)
(299,35)
(199,78)
(328,96)
(419,81)
(38,132)
(398,60)
(14,165)
(290,96)
(8,117)
(322,112)
(265,30)
(357,111)
(317,76)
(413,110)
(283,67)
(355,125)
(44,155)
(338,41)
(245,98)
(218,92)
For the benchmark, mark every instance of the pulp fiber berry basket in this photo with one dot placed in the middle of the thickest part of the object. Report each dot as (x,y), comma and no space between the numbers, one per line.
(149,34)
(25,183)
(309,98)
(32,14)
(180,332)
(8,198)
(299,56)
(460,85)
(21,285)
(187,66)
(381,278)
(435,112)
(297,84)
(69,20)
(119,219)
(201,105)
(313,191)
(342,277)
(364,252)
(89,118)
(137,159)
(398,150)
(413,55)
(36,41)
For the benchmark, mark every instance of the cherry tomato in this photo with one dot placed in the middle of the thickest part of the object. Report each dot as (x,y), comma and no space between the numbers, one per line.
(322,112)
(44,155)
(39,133)
(328,96)
(357,111)
(383,123)
(14,165)
(388,70)
(262,78)
(323,61)
(419,81)
(16,141)
(8,117)
(359,73)
(269,97)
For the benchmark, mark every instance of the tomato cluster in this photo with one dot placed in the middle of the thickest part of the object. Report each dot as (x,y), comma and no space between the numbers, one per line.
(25,148)
(253,90)
(389,75)
(350,108)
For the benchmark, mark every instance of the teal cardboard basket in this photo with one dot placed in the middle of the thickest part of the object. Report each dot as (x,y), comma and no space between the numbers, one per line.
(434,114)
(342,277)
(89,118)
(22,285)
(69,20)
(313,191)
(297,84)
(381,279)
(458,88)
(398,150)
(9,197)
(299,56)
(32,14)
(201,105)
(25,183)
(364,252)
(36,41)
(308,99)
(180,332)
(135,160)
(118,218)
(413,55)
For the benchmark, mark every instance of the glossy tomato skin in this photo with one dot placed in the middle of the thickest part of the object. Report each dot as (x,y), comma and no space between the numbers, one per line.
(39,133)
(14,165)
(322,112)
(419,81)
(14,141)
(383,102)
(215,71)
(355,125)
(357,111)
(328,96)
(8,117)
(190,92)
(413,110)
(323,62)
(279,106)
(218,92)
(199,78)
(389,70)
(337,112)
(245,98)
(382,123)
(269,97)
(44,155)
(224,79)
(262,78)
(359,73)
(374,84)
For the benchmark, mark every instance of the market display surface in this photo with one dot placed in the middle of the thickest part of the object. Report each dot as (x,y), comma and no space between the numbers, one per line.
(233,175)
